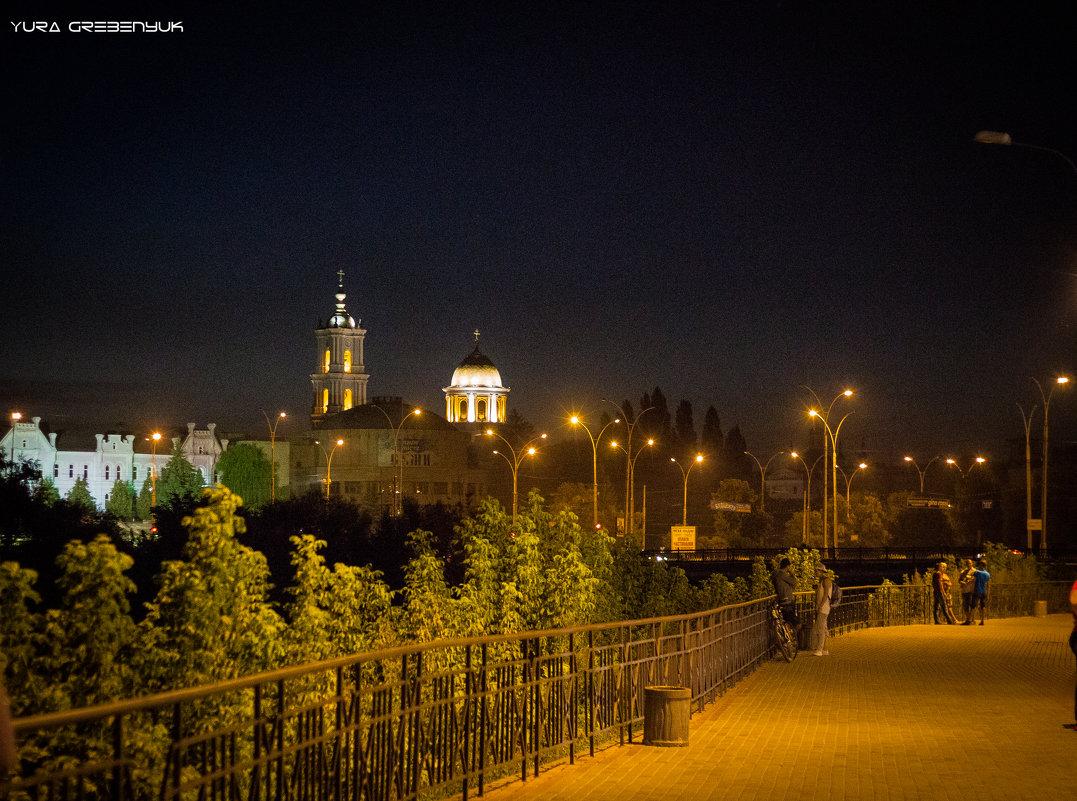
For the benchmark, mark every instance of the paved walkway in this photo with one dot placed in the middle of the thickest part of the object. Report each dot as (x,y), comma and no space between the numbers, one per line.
(969,713)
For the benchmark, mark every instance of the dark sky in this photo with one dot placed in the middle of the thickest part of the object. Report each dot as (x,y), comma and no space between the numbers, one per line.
(726,200)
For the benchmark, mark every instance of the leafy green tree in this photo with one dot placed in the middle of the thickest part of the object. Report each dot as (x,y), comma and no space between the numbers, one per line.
(79,496)
(867,520)
(20,627)
(729,526)
(144,504)
(211,619)
(712,442)
(684,431)
(794,527)
(429,609)
(179,484)
(245,469)
(120,503)
(45,492)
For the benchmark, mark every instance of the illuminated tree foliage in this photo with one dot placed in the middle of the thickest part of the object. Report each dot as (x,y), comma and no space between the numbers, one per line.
(79,496)
(120,502)
(179,483)
(245,469)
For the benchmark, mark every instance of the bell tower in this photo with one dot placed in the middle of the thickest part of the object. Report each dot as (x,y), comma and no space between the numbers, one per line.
(339,382)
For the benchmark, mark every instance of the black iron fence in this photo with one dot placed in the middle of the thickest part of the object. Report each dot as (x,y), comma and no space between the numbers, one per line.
(426,721)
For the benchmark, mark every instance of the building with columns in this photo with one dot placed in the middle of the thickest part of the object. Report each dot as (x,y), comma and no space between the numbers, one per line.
(476,394)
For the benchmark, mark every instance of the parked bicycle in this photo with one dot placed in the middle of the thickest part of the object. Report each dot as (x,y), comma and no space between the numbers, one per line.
(784,635)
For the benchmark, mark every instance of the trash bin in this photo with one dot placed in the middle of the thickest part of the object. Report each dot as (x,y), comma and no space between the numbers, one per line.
(1039,608)
(666,711)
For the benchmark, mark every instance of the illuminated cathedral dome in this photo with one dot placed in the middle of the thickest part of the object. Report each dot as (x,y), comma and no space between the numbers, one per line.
(476,394)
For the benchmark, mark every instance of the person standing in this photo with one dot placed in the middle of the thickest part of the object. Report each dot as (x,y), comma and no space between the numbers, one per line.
(979,590)
(941,586)
(784,586)
(819,633)
(967,583)
(1073,646)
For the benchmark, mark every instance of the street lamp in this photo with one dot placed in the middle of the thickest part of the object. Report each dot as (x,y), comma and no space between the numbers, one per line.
(685,473)
(807,494)
(516,460)
(965,473)
(630,467)
(1059,381)
(763,479)
(329,463)
(15,418)
(923,472)
(397,494)
(826,423)
(576,421)
(272,453)
(630,472)
(1000,138)
(1027,420)
(849,480)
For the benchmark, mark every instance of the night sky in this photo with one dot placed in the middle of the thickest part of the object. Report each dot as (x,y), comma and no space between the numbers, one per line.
(726,200)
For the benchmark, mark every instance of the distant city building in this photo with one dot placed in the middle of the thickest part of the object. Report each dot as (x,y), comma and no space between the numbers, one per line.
(107,458)
(339,382)
(476,394)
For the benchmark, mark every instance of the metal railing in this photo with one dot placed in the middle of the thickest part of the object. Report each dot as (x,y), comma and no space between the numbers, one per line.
(842,554)
(425,721)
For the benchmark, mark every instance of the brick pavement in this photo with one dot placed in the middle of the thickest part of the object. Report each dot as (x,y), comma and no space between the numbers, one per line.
(967,713)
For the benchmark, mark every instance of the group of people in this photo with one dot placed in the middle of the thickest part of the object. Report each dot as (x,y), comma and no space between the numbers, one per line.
(785,588)
(973,580)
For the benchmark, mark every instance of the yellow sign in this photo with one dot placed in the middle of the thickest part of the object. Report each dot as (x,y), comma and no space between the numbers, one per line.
(682,538)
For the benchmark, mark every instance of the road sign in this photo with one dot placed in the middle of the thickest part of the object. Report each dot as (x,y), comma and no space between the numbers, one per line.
(682,538)
(725,506)
(920,502)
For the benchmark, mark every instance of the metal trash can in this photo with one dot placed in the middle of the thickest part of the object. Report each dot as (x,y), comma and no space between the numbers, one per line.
(666,712)
(1039,608)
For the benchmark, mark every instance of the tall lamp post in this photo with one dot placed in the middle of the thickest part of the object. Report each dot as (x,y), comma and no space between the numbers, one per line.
(576,421)
(686,473)
(272,453)
(826,424)
(849,480)
(1027,420)
(1059,381)
(399,485)
(630,471)
(763,479)
(807,493)
(329,463)
(965,473)
(923,472)
(15,418)
(1000,138)
(630,466)
(516,460)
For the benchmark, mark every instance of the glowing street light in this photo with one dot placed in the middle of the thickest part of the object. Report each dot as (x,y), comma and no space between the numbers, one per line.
(1059,381)
(848,480)
(272,453)
(685,473)
(965,473)
(329,463)
(763,479)
(834,463)
(576,421)
(398,489)
(15,418)
(1001,138)
(517,458)
(807,494)
(923,472)
(630,472)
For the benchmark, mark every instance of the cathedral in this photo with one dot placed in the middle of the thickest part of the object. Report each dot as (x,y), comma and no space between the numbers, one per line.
(383,451)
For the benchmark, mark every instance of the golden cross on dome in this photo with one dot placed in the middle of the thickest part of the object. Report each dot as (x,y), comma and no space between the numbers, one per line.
(340,277)
(476,336)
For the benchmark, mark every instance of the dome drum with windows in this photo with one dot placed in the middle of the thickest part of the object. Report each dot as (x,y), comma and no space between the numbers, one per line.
(476,394)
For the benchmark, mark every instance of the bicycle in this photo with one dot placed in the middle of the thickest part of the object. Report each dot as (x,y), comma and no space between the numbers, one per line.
(785,638)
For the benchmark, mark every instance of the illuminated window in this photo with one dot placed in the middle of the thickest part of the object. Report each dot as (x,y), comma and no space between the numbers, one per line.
(463,408)
(325,399)
(480,410)
(347,361)
(347,397)
(134,473)
(326,369)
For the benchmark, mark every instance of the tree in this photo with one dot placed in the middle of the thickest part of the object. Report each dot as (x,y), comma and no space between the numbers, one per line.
(711,441)
(179,484)
(685,430)
(79,496)
(245,469)
(738,464)
(120,503)
(729,526)
(143,506)
(45,492)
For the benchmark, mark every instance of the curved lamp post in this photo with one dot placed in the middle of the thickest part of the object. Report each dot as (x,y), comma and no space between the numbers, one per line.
(1027,420)
(763,479)
(576,421)
(399,478)
(329,463)
(272,453)
(848,481)
(516,460)
(965,473)
(630,472)
(807,493)
(923,472)
(1001,138)
(630,466)
(685,473)
(826,423)
(1059,381)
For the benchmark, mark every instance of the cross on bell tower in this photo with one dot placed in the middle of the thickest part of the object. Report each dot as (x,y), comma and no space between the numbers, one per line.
(340,380)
